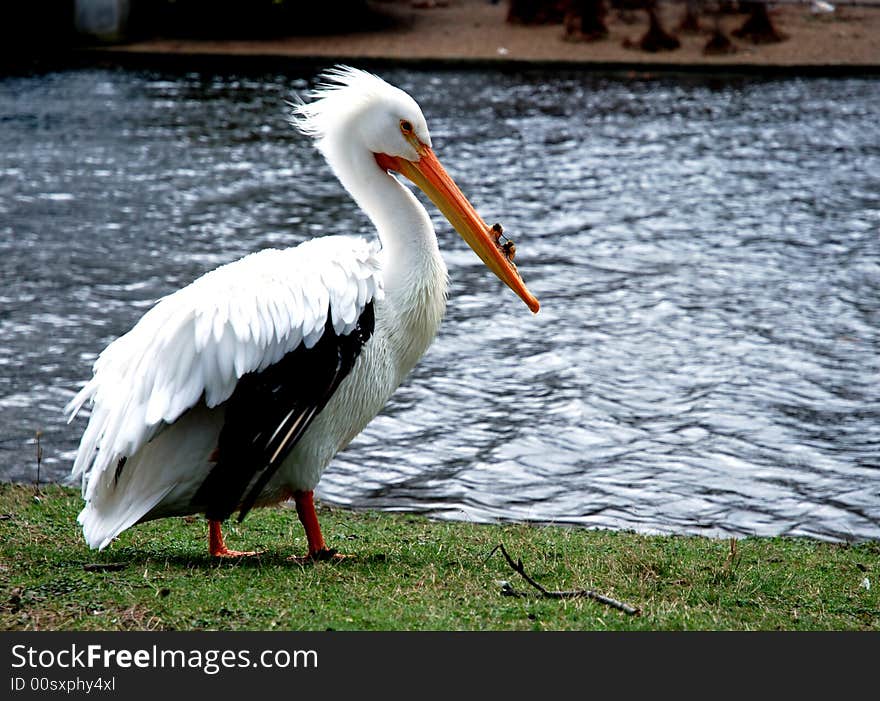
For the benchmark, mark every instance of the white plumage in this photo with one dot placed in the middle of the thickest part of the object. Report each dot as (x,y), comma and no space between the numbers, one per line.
(240,318)
(160,393)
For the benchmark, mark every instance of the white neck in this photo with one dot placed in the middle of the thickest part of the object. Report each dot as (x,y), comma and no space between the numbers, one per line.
(411,257)
(414,272)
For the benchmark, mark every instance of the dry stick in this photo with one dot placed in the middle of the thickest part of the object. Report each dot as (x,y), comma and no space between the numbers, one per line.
(39,460)
(104,566)
(571,594)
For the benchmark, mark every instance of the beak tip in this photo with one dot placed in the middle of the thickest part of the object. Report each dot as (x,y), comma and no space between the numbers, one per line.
(533,304)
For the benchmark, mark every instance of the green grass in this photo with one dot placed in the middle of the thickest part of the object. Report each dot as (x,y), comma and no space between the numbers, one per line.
(411,573)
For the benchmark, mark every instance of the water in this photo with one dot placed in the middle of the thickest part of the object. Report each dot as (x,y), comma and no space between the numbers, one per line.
(706,253)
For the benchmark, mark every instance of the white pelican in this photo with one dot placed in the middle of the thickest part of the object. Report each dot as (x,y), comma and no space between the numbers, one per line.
(237,390)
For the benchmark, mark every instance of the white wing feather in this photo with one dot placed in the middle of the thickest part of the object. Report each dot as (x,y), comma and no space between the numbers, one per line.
(197,342)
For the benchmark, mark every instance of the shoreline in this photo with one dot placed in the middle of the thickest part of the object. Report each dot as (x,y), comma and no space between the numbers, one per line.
(219,60)
(475,33)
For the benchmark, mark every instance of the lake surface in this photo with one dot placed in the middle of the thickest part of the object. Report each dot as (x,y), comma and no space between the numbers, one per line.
(707,254)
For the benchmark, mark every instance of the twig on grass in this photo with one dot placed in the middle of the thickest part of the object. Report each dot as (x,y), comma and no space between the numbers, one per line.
(568,594)
(37,436)
(104,566)
(732,560)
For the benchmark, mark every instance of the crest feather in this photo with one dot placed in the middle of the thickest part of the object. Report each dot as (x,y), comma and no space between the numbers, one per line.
(339,90)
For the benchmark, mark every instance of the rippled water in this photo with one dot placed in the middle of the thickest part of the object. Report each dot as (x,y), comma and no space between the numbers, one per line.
(707,254)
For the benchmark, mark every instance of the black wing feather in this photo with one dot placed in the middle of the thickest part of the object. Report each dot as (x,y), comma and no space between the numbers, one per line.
(269,412)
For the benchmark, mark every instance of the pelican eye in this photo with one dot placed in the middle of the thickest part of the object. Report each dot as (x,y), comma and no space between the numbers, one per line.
(406,127)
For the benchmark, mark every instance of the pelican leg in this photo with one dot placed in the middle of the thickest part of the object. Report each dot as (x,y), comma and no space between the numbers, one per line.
(318,550)
(217,547)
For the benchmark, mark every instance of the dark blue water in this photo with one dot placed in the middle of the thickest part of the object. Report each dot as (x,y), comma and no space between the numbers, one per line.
(707,357)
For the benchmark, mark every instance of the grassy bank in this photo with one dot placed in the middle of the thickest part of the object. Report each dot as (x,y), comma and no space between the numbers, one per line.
(410,573)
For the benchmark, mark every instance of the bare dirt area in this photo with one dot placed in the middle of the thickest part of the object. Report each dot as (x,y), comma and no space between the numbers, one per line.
(468,30)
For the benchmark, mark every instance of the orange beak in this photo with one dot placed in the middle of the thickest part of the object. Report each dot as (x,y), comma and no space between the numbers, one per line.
(432,179)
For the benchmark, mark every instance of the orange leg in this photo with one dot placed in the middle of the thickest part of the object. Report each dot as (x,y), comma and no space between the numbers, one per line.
(217,547)
(305,509)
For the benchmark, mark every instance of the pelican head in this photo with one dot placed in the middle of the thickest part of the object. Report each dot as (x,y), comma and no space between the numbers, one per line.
(389,123)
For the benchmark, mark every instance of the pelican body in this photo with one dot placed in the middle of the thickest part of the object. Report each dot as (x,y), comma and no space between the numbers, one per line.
(238,390)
